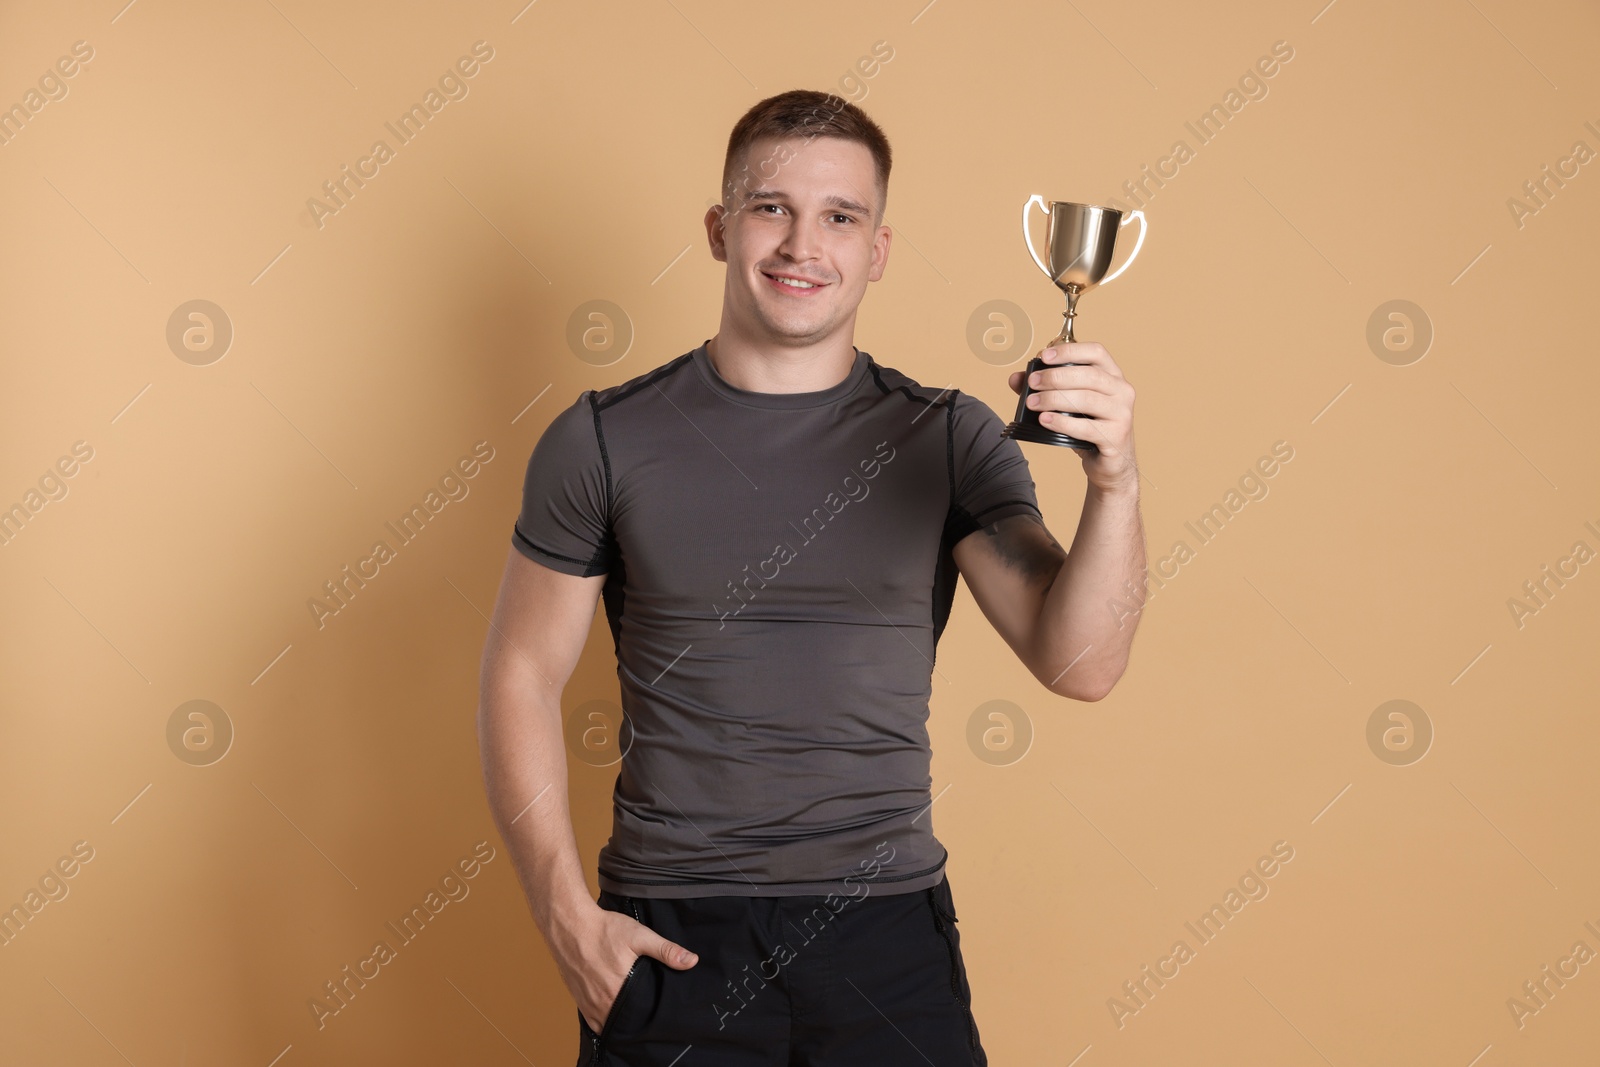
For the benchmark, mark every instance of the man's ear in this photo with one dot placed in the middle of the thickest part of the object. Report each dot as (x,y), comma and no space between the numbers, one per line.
(880,253)
(716,232)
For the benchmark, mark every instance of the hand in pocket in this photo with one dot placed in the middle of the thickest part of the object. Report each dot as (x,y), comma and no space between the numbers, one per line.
(605,952)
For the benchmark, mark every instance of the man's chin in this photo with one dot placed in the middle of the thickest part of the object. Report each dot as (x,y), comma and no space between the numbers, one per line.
(794,328)
(796,333)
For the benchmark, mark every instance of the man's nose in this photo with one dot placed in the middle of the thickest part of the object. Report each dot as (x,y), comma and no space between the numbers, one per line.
(802,240)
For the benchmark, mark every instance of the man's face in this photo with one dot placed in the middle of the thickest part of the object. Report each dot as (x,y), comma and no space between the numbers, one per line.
(804,211)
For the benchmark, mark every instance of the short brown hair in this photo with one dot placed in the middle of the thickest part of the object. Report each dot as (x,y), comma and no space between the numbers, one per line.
(813,114)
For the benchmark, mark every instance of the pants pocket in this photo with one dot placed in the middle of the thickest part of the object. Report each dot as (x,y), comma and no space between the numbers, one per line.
(595,1042)
(945,902)
(616,1002)
(944,919)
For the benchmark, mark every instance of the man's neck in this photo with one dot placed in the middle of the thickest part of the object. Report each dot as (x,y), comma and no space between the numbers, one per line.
(780,369)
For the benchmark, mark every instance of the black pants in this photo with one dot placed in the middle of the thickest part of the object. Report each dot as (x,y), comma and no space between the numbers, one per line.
(800,980)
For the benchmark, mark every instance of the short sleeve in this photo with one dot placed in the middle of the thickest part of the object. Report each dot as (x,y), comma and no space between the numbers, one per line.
(564,523)
(989,474)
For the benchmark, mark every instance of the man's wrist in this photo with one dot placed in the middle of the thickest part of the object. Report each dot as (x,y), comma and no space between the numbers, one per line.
(1126,490)
(571,902)
(568,918)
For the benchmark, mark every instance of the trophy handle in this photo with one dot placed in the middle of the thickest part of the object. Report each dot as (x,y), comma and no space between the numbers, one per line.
(1144,228)
(1027,240)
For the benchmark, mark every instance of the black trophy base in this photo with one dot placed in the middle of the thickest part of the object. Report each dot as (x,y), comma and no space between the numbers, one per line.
(1022,431)
(1026,425)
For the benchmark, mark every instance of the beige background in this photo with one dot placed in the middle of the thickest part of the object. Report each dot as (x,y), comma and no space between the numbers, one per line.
(369,354)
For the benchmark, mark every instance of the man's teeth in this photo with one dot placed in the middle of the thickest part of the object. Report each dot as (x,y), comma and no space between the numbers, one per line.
(796,283)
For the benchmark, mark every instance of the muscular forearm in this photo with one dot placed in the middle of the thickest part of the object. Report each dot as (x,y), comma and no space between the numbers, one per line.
(1079,623)
(523,759)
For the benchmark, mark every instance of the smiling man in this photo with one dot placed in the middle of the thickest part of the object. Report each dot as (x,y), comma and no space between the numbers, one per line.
(776,523)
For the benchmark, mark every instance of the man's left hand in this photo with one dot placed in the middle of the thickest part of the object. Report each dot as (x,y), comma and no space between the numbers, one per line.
(1094,386)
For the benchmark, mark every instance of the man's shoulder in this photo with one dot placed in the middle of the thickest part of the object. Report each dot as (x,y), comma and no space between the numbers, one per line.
(575,429)
(600,399)
(892,381)
(960,407)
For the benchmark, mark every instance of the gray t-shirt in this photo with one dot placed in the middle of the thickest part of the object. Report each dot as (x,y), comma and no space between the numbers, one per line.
(778,572)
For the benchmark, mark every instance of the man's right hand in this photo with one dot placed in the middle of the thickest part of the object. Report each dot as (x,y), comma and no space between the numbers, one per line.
(595,953)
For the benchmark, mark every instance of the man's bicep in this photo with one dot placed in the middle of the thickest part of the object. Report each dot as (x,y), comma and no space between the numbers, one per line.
(1009,565)
(541,622)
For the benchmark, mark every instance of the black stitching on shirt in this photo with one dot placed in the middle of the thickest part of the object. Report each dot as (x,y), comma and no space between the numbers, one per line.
(626,389)
(884,388)
(950,446)
(605,459)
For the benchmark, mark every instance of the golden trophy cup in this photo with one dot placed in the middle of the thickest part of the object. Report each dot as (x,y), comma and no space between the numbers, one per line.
(1081,241)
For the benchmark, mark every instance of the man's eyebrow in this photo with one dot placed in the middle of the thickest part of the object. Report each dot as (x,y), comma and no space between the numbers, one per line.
(833,200)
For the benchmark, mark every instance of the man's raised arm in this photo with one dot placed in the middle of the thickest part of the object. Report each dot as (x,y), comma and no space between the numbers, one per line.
(1059,611)
(1066,615)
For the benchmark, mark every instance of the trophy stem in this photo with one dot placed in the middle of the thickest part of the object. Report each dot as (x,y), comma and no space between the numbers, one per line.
(1070,314)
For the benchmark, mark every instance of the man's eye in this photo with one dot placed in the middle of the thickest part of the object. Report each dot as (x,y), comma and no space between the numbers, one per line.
(846,218)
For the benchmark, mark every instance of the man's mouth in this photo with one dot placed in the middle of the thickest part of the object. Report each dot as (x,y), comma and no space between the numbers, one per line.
(793,283)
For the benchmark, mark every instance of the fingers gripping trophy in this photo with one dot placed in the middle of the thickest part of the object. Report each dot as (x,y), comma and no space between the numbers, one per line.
(1081,241)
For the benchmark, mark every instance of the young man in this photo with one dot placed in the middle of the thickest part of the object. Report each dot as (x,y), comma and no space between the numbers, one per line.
(776,523)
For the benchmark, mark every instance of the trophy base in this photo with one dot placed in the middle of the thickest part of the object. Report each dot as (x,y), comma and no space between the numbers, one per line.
(1023,431)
